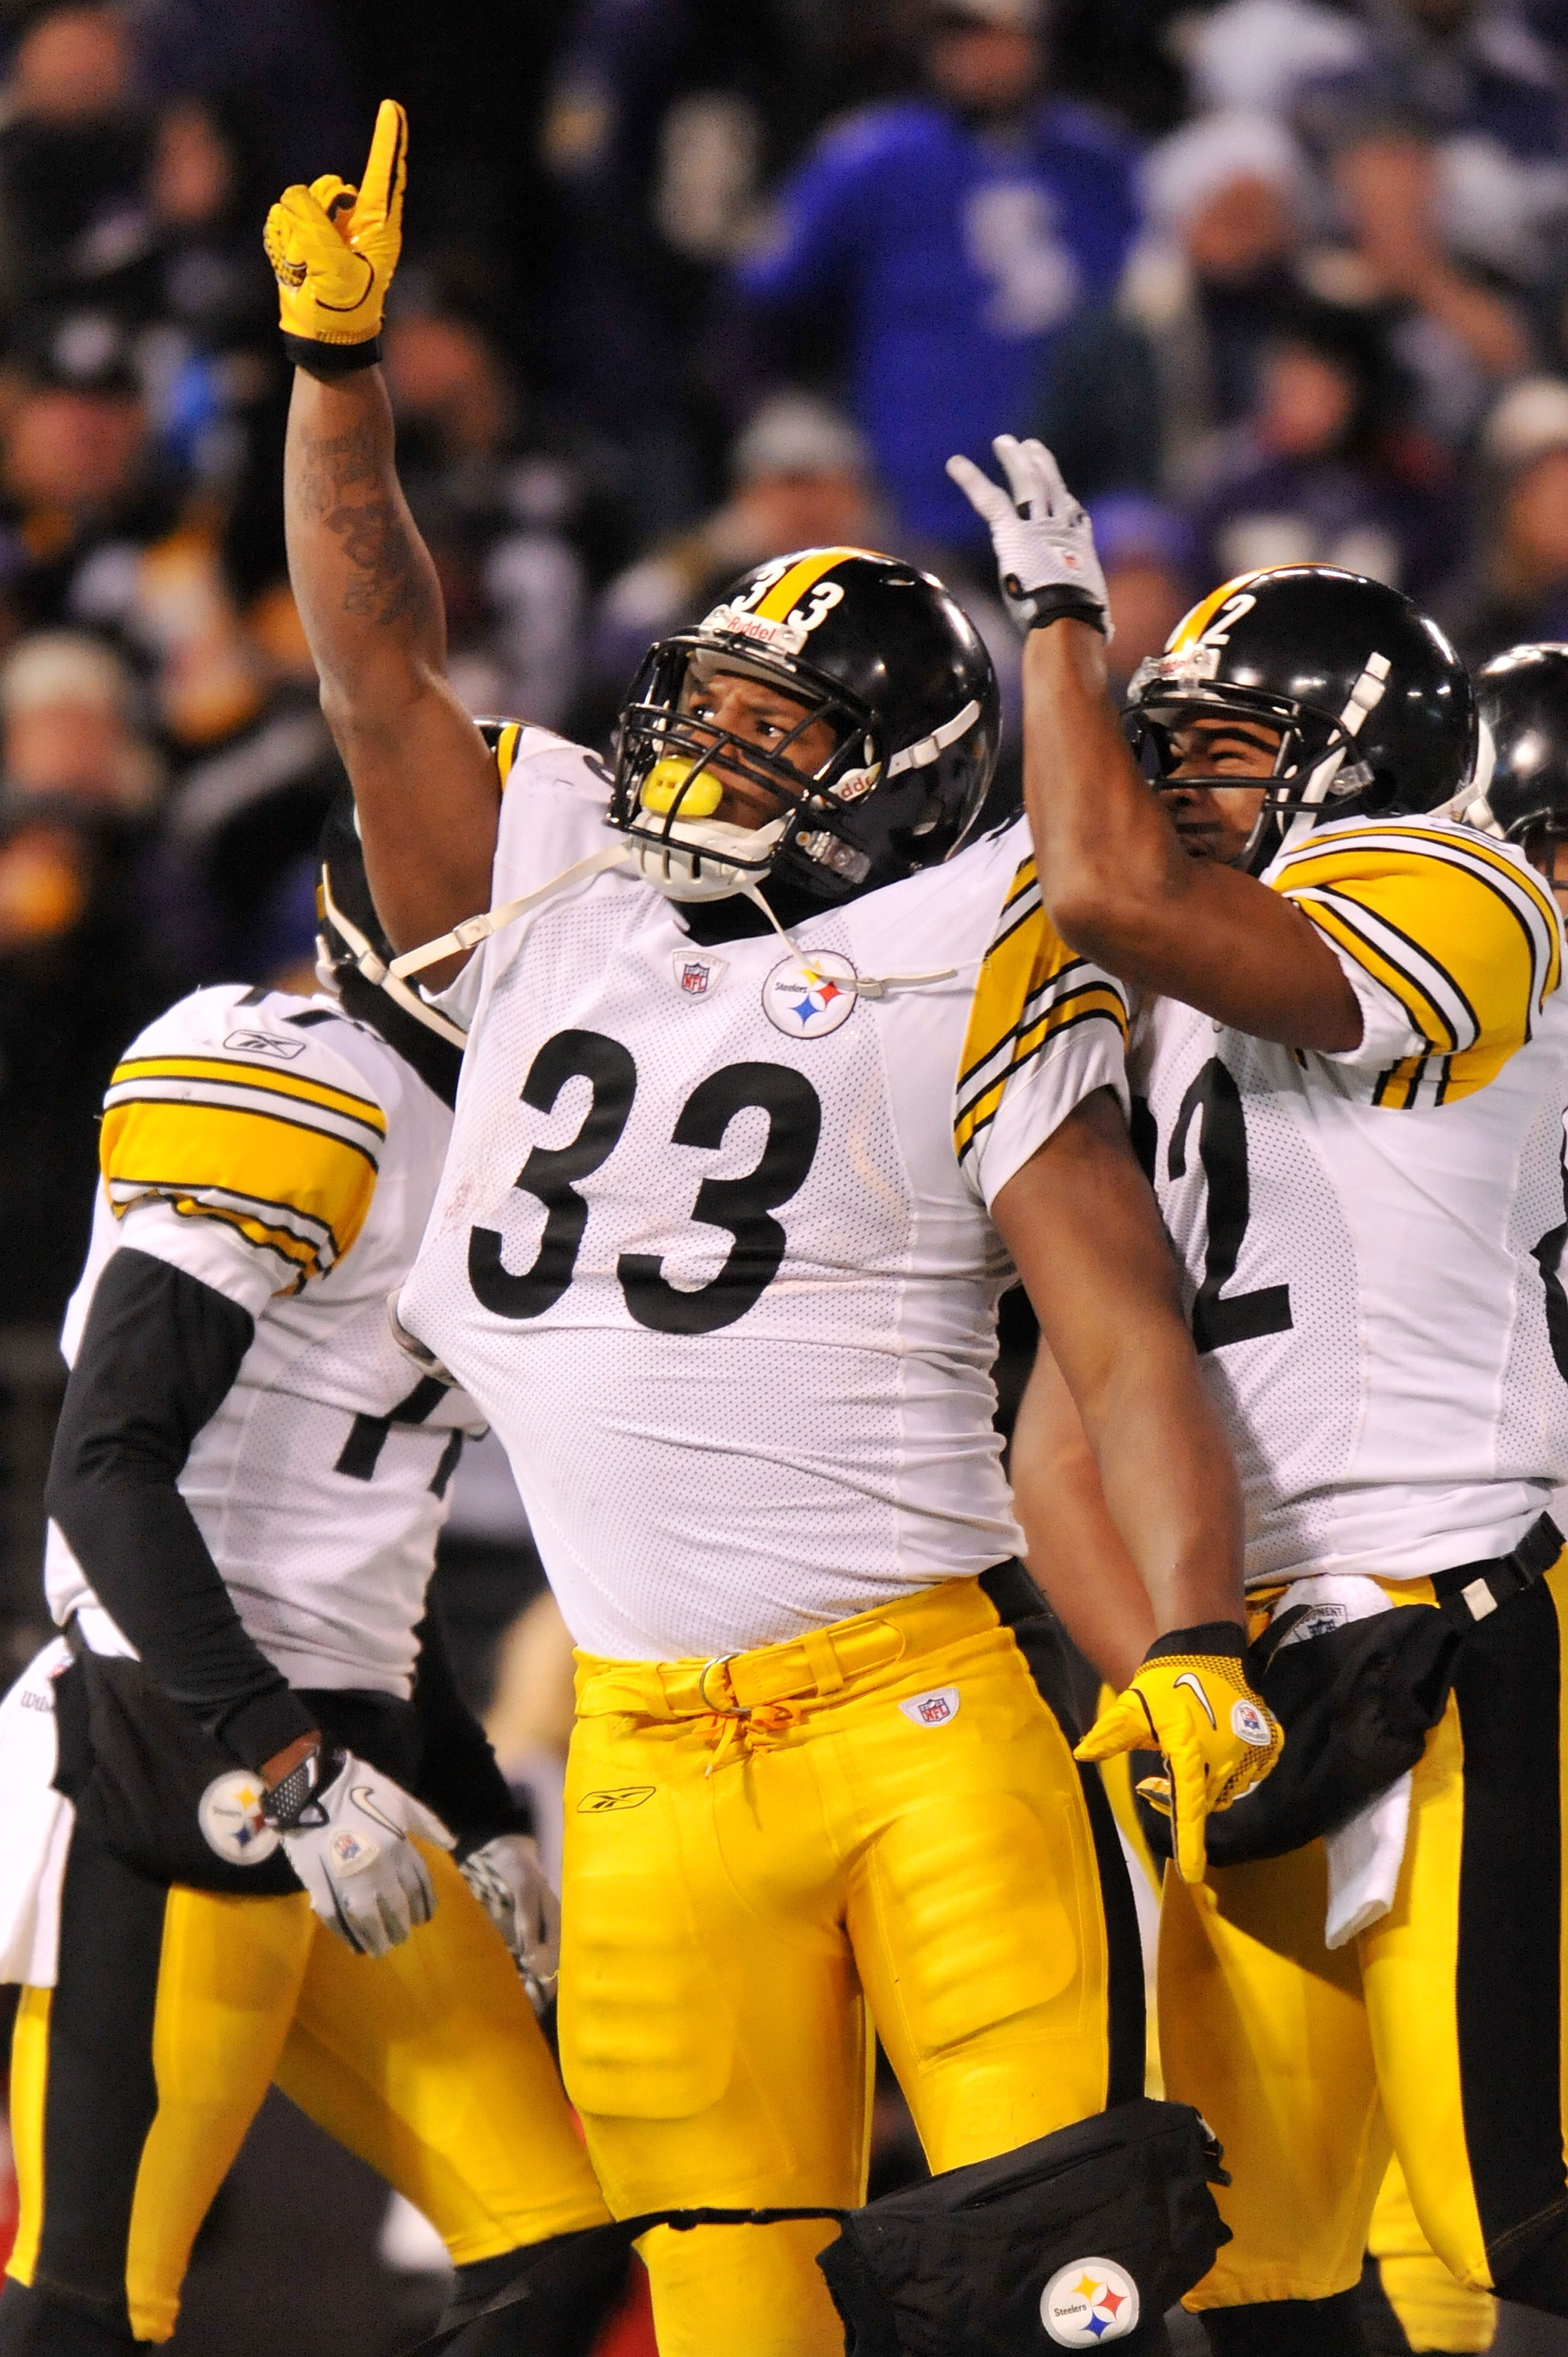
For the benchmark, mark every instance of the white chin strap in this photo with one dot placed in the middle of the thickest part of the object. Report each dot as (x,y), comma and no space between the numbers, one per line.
(383,976)
(1364,698)
(1471,806)
(703,858)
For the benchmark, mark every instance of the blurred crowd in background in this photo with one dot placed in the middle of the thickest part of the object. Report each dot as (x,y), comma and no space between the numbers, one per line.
(685,285)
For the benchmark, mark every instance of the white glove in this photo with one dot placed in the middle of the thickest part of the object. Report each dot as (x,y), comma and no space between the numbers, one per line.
(513,1887)
(345,1828)
(1043,541)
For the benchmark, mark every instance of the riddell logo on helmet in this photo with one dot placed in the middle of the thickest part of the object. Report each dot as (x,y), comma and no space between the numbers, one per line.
(1088,2301)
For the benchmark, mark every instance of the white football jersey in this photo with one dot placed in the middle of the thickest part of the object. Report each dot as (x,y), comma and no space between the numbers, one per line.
(1370,1239)
(284,1155)
(712,1247)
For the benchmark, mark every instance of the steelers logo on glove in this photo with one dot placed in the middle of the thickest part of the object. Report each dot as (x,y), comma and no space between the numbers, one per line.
(1191,1701)
(333,248)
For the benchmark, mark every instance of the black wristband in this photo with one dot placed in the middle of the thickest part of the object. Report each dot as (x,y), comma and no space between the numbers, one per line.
(1064,605)
(329,361)
(1223,1637)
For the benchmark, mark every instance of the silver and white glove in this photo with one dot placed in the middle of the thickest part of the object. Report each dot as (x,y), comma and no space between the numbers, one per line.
(346,1829)
(513,1888)
(1043,539)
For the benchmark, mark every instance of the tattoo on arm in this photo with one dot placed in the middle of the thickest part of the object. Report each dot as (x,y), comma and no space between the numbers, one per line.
(376,534)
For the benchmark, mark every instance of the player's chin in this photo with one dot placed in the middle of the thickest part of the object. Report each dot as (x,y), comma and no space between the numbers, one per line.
(1204,842)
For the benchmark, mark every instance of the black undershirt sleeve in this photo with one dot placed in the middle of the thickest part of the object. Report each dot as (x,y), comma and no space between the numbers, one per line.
(159,1355)
(460,1777)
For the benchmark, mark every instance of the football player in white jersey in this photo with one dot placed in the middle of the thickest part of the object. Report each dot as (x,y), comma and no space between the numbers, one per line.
(718,1248)
(1352,1056)
(247,1488)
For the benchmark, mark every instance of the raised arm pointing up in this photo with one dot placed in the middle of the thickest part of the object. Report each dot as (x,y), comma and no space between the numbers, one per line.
(423,782)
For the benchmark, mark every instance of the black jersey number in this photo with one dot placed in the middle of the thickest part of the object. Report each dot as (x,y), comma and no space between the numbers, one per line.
(743,1206)
(1548,1255)
(1220,1318)
(552,1172)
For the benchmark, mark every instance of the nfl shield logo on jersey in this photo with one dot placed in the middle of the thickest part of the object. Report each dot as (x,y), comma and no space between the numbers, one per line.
(1088,2301)
(807,997)
(696,977)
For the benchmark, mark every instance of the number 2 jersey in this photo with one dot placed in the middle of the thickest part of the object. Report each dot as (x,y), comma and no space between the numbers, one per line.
(1370,1239)
(284,1155)
(712,1248)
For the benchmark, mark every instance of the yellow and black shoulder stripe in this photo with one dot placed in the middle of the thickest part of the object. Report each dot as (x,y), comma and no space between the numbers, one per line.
(1032,988)
(1464,938)
(503,738)
(289,1161)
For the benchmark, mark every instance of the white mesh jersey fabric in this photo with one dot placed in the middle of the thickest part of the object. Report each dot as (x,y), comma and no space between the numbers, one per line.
(1379,1346)
(321,1514)
(725,1292)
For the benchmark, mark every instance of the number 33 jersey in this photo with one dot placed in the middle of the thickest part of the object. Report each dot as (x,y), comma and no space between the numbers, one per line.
(1370,1239)
(712,1248)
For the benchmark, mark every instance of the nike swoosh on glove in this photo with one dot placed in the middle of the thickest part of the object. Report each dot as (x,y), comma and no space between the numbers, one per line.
(1191,1701)
(334,247)
(509,1882)
(1043,539)
(347,1829)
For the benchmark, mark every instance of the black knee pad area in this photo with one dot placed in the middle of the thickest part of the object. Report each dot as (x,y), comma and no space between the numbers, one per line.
(34,2324)
(1289,2328)
(1540,2281)
(571,2283)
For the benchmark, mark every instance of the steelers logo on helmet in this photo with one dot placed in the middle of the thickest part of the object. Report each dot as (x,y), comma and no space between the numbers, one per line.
(1355,701)
(1088,2301)
(229,1815)
(832,722)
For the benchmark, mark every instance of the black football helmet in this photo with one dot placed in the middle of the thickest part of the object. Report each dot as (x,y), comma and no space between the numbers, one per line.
(354,957)
(1522,775)
(878,650)
(1374,709)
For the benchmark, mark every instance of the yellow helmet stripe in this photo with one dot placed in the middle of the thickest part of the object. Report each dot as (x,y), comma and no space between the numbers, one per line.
(805,574)
(1192,625)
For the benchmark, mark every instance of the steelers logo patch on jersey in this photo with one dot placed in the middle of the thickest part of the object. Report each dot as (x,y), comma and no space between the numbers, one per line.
(1088,2301)
(232,1825)
(807,997)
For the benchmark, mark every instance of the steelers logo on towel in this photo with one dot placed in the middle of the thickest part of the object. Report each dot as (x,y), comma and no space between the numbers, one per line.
(807,997)
(229,1815)
(1088,2301)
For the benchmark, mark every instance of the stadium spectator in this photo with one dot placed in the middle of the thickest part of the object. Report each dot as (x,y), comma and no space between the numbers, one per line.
(499,507)
(954,234)
(73,147)
(800,477)
(1316,473)
(665,120)
(1517,587)
(1135,389)
(1149,554)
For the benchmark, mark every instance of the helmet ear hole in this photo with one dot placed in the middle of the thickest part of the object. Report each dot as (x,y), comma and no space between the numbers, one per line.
(1380,795)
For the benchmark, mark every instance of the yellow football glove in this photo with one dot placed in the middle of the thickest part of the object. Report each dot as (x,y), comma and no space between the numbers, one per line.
(1191,1701)
(334,248)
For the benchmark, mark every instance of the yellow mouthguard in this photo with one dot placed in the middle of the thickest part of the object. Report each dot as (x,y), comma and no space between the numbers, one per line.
(664,786)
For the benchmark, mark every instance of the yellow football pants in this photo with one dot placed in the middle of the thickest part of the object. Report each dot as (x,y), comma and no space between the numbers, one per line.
(134,2079)
(1437,2032)
(897,1823)
(1435,2310)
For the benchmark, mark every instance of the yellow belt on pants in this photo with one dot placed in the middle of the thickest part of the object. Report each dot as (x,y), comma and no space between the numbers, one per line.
(755,1690)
